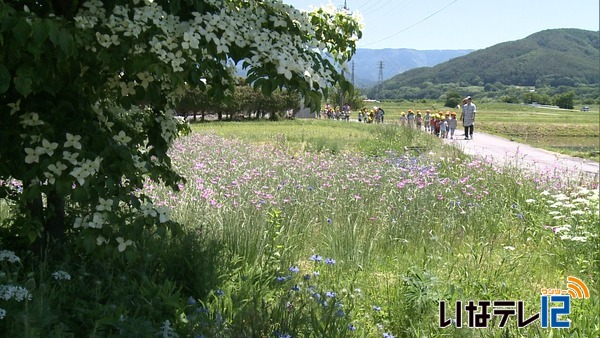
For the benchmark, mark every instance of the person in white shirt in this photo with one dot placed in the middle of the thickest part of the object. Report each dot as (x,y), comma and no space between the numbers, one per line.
(468,117)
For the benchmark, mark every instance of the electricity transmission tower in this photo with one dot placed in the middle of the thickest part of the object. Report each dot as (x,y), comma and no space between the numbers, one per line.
(380,81)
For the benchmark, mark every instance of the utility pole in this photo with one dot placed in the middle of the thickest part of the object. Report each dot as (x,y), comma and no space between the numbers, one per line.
(380,81)
(341,90)
(352,73)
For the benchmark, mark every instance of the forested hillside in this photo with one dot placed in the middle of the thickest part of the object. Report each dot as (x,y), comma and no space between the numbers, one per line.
(551,58)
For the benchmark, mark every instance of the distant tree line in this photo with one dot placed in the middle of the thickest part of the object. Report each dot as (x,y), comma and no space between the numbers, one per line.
(243,103)
(562,96)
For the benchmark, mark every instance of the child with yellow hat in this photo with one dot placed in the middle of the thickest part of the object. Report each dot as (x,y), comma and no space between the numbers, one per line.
(426,119)
(452,124)
(403,119)
(411,118)
(419,120)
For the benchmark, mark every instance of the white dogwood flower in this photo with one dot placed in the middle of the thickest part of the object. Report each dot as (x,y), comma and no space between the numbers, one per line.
(32,156)
(122,138)
(148,210)
(123,244)
(57,168)
(70,157)
(104,204)
(98,220)
(101,240)
(47,147)
(31,120)
(73,141)
(163,214)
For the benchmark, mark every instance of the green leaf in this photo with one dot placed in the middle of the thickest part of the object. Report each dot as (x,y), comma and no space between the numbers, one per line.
(53,33)
(266,88)
(40,32)
(89,242)
(53,84)
(21,31)
(63,188)
(23,85)
(175,7)
(65,41)
(32,236)
(4,79)
(79,195)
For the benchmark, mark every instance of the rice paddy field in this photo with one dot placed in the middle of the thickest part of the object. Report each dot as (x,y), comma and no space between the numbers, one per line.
(331,229)
(571,132)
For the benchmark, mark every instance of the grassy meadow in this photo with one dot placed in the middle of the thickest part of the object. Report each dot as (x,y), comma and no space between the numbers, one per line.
(328,229)
(570,132)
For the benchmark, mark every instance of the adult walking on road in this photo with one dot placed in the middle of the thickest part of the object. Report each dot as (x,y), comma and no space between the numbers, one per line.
(468,117)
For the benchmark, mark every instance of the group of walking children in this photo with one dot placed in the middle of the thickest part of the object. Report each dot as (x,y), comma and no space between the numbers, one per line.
(441,124)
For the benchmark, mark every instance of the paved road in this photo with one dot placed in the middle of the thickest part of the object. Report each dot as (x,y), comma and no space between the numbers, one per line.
(505,151)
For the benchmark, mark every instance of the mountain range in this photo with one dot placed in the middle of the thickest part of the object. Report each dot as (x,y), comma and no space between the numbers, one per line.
(554,57)
(372,65)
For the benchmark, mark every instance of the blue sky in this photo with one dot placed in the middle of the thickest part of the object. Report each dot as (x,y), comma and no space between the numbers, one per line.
(461,24)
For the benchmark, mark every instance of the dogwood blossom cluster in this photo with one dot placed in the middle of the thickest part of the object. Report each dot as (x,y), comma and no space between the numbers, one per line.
(168,126)
(263,32)
(119,69)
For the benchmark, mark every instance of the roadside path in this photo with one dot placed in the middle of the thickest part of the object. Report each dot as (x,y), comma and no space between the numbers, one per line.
(506,152)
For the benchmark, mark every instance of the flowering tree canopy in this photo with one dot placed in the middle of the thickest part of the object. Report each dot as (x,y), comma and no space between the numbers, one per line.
(87,90)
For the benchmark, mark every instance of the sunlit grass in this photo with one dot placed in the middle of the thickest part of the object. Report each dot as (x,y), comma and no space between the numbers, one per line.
(329,229)
(407,230)
(571,132)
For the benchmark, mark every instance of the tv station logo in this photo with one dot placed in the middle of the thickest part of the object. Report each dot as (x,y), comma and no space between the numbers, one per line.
(555,306)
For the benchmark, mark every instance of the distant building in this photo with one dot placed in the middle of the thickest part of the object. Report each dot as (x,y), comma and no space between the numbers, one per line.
(305,113)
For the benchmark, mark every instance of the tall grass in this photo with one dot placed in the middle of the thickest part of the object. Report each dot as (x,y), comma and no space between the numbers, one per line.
(284,239)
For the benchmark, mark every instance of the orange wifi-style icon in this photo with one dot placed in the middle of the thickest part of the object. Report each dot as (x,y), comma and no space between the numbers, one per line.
(577,288)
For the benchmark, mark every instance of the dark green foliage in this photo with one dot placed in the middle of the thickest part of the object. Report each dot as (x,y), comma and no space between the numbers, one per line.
(452,99)
(125,297)
(565,100)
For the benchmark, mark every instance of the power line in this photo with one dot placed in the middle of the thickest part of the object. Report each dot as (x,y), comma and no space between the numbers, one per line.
(411,26)
(369,5)
(369,10)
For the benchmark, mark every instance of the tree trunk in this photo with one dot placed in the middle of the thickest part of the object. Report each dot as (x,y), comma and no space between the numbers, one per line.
(54,227)
(51,219)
